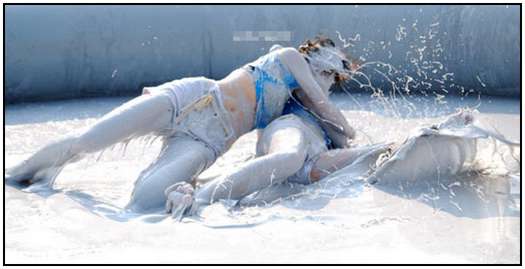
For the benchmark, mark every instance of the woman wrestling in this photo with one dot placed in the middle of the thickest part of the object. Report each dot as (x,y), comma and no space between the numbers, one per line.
(199,119)
(431,153)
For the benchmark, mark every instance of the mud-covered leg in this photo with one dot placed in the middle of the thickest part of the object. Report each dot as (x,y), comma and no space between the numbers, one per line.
(321,166)
(182,159)
(285,155)
(331,161)
(140,116)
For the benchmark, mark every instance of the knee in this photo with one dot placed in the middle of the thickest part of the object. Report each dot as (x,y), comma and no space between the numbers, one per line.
(145,197)
(292,160)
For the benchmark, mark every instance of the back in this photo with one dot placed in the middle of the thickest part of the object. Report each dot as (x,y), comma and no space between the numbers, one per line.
(273,85)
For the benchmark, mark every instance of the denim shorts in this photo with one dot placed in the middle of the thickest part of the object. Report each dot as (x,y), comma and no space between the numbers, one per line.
(198,111)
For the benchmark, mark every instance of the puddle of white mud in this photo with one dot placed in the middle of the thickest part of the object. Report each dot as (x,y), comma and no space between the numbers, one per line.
(352,223)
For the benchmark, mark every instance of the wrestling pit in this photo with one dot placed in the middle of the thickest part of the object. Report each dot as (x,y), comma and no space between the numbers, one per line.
(473,217)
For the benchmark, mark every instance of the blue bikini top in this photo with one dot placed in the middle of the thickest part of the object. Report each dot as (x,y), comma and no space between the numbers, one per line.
(274,84)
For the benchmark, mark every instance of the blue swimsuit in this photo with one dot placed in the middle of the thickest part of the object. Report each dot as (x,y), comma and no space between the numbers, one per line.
(274,84)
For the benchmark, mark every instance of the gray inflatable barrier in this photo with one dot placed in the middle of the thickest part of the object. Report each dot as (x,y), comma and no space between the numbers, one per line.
(59,51)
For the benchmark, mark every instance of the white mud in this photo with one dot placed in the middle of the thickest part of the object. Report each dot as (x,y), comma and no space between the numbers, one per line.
(474,219)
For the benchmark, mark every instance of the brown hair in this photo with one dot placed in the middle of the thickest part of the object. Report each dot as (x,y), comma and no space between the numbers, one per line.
(312,45)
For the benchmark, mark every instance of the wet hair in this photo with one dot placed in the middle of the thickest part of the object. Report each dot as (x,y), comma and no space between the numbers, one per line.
(312,45)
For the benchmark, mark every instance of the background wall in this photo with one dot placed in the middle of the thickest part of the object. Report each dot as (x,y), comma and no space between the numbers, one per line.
(57,52)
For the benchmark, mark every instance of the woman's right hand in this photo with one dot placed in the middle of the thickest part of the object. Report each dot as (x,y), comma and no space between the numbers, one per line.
(340,139)
(179,200)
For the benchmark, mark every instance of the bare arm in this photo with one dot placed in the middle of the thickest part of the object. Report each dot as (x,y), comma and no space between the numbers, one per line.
(319,102)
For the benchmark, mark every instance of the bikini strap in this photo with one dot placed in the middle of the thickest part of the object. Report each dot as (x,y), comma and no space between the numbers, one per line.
(288,78)
(260,112)
(261,77)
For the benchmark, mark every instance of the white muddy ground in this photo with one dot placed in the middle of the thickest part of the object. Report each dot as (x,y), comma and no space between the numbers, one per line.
(475,221)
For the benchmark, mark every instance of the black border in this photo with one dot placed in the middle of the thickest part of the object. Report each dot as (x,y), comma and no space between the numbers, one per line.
(4,4)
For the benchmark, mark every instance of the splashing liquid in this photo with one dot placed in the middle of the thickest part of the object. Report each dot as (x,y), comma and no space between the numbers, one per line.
(418,77)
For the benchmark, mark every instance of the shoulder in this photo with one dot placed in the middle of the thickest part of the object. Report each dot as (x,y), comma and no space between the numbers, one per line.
(288,52)
(290,55)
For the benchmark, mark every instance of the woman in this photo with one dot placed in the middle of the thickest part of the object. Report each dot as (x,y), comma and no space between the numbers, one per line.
(295,147)
(433,153)
(200,119)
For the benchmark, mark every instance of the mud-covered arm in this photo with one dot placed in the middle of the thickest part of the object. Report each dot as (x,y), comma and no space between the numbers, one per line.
(334,122)
(340,140)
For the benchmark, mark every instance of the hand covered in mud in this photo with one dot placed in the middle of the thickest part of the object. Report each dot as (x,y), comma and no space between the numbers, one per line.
(179,199)
(350,135)
(338,138)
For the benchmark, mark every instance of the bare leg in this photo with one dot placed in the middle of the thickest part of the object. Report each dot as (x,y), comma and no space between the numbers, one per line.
(140,116)
(181,160)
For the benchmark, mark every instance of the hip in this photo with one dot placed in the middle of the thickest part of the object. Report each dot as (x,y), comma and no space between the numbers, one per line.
(198,111)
